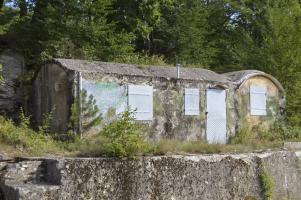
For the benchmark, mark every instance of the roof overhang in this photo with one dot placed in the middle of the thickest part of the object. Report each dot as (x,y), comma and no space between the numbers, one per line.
(259,73)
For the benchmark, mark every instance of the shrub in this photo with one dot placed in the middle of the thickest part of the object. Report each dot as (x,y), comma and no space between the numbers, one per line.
(24,121)
(25,139)
(44,128)
(123,137)
(277,132)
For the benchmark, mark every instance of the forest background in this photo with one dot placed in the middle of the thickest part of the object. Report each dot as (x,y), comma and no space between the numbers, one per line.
(220,35)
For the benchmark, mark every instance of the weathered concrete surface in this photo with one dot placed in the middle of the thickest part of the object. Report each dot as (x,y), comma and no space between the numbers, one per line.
(53,97)
(275,103)
(10,90)
(57,88)
(231,176)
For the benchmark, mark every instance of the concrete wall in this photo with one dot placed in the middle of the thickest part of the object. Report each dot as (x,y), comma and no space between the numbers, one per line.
(194,177)
(53,96)
(275,103)
(57,88)
(169,120)
(56,91)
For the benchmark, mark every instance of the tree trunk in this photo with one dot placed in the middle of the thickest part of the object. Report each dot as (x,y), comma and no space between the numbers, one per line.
(1,5)
(23,7)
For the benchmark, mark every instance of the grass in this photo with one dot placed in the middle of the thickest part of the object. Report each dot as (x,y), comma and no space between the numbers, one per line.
(267,182)
(200,147)
(21,140)
(121,139)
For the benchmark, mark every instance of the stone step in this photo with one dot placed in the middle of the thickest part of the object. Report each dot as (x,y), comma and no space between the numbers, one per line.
(15,191)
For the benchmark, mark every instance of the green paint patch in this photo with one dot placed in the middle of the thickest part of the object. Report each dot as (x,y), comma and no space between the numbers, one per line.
(158,104)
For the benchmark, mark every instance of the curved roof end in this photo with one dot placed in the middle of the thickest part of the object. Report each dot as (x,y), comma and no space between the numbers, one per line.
(239,77)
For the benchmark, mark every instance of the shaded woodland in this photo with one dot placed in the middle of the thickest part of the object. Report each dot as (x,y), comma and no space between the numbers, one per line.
(221,35)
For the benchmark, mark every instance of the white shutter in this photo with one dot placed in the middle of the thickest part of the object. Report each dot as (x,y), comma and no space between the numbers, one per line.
(216,116)
(192,98)
(141,100)
(258,100)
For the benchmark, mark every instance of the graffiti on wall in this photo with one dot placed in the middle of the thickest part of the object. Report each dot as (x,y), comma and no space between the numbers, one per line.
(111,98)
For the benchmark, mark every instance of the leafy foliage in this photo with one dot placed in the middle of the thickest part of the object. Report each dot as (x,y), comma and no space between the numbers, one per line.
(124,137)
(24,139)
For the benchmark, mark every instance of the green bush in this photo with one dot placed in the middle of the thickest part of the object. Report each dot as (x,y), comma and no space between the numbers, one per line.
(24,121)
(123,137)
(25,139)
(277,132)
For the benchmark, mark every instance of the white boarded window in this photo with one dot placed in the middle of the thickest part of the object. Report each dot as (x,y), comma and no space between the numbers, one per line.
(192,98)
(141,100)
(258,100)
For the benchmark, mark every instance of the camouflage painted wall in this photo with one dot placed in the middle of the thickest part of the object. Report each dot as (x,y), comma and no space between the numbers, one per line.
(169,121)
(53,96)
(111,98)
(275,103)
(110,95)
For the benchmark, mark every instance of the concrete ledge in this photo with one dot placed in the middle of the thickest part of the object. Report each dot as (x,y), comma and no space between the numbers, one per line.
(175,177)
(292,145)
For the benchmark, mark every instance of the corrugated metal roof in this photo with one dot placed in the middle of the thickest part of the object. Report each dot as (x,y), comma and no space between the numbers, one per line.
(137,70)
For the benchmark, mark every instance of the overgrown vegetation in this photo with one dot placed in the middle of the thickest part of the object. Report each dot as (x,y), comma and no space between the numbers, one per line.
(24,140)
(267,182)
(257,135)
(121,138)
(125,138)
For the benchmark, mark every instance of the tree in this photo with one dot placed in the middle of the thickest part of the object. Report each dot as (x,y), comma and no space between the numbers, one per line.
(271,43)
(66,29)
(181,34)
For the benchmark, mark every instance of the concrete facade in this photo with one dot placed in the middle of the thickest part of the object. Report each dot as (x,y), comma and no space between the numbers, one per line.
(59,83)
(275,97)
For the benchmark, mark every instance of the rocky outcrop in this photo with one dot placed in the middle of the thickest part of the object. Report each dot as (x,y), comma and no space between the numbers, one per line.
(10,91)
(229,176)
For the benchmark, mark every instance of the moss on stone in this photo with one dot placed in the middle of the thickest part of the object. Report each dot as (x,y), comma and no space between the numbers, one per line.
(158,104)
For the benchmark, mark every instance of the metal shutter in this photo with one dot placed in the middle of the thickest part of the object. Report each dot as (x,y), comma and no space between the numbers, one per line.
(258,100)
(141,100)
(192,98)
(216,116)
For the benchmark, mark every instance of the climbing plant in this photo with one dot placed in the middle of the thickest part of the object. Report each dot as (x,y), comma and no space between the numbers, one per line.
(267,182)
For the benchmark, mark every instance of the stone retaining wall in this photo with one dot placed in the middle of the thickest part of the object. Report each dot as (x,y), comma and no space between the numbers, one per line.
(229,176)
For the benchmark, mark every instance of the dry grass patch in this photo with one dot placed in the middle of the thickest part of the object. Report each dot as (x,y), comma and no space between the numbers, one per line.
(200,147)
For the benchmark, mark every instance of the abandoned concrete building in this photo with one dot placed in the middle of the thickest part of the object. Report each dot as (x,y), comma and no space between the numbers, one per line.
(260,98)
(172,103)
